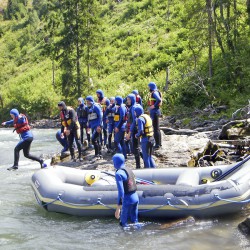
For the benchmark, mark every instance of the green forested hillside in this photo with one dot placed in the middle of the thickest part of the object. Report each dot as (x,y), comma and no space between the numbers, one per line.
(197,51)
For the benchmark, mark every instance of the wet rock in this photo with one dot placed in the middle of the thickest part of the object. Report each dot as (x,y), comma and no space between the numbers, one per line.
(244,226)
(178,223)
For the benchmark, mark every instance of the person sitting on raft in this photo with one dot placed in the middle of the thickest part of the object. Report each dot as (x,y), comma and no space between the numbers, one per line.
(22,128)
(127,195)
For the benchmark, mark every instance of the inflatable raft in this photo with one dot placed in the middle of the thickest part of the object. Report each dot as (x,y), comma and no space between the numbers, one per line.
(169,193)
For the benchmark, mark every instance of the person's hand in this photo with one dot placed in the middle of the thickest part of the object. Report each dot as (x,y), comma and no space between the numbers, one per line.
(98,129)
(152,107)
(116,130)
(117,212)
(107,121)
(67,132)
(62,135)
(3,123)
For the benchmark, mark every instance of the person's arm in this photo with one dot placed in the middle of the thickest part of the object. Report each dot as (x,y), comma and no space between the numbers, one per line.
(157,97)
(120,188)
(140,127)
(99,115)
(122,115)
(10,122)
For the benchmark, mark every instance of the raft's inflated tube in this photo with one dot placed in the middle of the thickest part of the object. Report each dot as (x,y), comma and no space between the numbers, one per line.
(190,178)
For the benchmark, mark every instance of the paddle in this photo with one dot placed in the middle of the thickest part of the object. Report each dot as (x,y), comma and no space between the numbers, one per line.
(232,169)
(138,180)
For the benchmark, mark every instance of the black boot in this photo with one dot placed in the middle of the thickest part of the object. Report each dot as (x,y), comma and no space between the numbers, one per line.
(12,168)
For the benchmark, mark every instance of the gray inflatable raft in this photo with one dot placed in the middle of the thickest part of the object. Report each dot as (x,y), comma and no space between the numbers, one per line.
(169,192)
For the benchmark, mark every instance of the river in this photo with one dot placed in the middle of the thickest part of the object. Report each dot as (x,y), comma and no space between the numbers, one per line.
(25,225)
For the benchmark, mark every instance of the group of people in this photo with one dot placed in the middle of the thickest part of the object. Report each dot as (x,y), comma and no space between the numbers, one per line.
(122,119)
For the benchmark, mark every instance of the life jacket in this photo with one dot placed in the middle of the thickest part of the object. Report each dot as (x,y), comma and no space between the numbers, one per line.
(137,99)
(21,127)
(148,128)
(111,112)
(152,100)
(102,103)
(130,184)
(117,115)
(81,112)
(65,118)
(92,115)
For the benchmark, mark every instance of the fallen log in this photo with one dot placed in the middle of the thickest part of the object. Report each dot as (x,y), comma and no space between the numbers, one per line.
(171,131)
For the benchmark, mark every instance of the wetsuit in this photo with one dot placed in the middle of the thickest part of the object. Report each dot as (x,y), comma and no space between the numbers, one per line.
(127,195)
(26,137)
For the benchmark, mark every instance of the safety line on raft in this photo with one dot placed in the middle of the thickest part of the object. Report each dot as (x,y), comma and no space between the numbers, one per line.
(231,201)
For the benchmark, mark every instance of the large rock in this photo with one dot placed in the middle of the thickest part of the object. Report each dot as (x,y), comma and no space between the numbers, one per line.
(177,150)
(244,226)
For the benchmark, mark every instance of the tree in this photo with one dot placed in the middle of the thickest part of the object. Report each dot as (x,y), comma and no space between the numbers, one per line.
(75,40)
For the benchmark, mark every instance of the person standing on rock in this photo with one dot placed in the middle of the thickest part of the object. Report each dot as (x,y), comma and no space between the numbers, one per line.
(21,125)
(138,98)
(154,103)
(82,114)
(145,131)
(110,113)
(120,120)
(70,128)
(128,200)
(135,142)
(95,123)
(101,100)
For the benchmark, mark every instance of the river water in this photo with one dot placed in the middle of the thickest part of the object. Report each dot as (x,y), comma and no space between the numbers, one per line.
(25,225)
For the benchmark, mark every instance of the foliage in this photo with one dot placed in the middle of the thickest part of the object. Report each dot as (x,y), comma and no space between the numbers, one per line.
(55,50)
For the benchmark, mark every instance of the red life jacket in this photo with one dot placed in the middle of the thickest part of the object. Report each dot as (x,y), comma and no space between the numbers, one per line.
(21,127)
(102,103)
(137,98)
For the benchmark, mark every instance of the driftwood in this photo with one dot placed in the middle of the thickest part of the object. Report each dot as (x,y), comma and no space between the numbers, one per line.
(171,131)
(235,129)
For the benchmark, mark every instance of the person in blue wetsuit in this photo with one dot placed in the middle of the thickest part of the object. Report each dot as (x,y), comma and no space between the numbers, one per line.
(82,114)
(63,141)
(110,113)
(154,103)
(101,100)
(145,131)
(120,123)
(138,98)
(95,123)
(105,124)
(135,142)
(22,128)
(128,200)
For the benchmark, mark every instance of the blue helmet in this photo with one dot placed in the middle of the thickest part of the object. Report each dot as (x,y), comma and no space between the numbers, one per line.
(135,92)
(80,99)
(90,99)
(119,100)
(132,98)
(14,112)
(138,110)
(152,86)
(118,160)
(100,92)
(107,103)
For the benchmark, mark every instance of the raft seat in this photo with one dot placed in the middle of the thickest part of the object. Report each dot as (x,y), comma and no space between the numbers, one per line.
(188,178)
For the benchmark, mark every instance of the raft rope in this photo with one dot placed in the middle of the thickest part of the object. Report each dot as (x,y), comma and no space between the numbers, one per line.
(168,203)
(231,201)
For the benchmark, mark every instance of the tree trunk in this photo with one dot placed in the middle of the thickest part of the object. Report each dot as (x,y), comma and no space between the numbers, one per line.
(210,34)
(78,71)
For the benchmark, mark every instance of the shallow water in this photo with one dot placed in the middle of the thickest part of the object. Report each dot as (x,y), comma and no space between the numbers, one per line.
(24,225)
